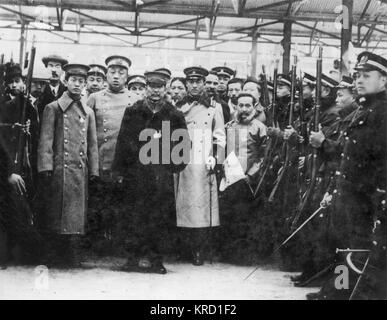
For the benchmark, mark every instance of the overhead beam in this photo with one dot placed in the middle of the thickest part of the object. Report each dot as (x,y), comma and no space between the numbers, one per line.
(346,37)
(101,21)
(239,30)
(168,25)
(241,7)
(318,30)
(270,6)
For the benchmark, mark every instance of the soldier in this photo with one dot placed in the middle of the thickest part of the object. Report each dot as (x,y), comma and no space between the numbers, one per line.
(137,85)
(212,83)
(37,86)
(55,88)
(234,88)
(19,141)
(359,195)
(96,77)
(147,180)
(245,137)
(224,75)
(4,191)
(329,143)
(178,90)
(67,158)
(252,86)
(109,106)
(196,195)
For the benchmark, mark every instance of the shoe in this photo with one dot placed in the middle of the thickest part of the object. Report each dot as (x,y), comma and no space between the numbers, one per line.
(141,267)
(315,296)
(297,278)
(197,259)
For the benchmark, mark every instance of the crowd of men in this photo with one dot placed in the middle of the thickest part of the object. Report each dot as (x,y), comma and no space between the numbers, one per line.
(207,167)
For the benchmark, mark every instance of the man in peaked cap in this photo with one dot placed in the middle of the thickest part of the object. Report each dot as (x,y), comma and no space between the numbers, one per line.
(96,77)
(55,88)
(197,197)
(21,167)
(67,159)
(224,75)
(137,86)
(329,142)
(359,202)
(109,106)
(165,71)
(149,200)
(211,85)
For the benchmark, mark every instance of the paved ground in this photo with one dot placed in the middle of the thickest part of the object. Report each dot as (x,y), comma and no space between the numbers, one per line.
(183,281)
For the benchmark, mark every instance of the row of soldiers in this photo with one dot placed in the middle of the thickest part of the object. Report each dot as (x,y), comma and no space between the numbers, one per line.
(276,151)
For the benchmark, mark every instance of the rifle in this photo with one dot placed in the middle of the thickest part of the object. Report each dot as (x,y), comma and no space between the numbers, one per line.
(265,90)
(2,71)
(271,122)
(290,124)
(316,121)
(24,99)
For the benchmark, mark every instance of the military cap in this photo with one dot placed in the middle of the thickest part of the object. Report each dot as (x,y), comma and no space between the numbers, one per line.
(346,83)
(369,61)
(284,79)
(308,79)
(252,79)
(195,72)
(137,78)
(328,82)
(119,61)
(54,58)
(97,70)
(76,69)
(156,77)
(224,71)
(166,71)
(12,70)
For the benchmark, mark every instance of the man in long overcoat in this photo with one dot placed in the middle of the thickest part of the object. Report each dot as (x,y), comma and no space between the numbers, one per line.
(67,157)
(147,154)
(196,186)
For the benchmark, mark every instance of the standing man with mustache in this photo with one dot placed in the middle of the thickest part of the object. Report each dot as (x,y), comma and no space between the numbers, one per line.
(55,88)
(212,83)
(109,107)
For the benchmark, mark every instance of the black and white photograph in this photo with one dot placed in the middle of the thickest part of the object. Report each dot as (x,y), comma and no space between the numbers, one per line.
(201,151)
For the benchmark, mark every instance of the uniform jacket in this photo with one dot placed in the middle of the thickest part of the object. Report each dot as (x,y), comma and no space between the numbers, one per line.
(196,188)
(10,113)
(68,148)
(109,108)
(148,183)
(361,180)
(246,140)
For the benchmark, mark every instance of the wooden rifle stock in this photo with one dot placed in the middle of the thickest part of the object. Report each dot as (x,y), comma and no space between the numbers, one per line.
(23,99)
(2,71)
(265,90)
(316,121)
(271,142)
(290,124)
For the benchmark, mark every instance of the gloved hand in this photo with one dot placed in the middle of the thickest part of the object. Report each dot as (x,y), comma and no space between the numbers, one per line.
(326,201)
(210,163)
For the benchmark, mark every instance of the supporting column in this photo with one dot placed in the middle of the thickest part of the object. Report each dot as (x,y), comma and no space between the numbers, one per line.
(286,44)
(254,53)
(22,43)
(346,35)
